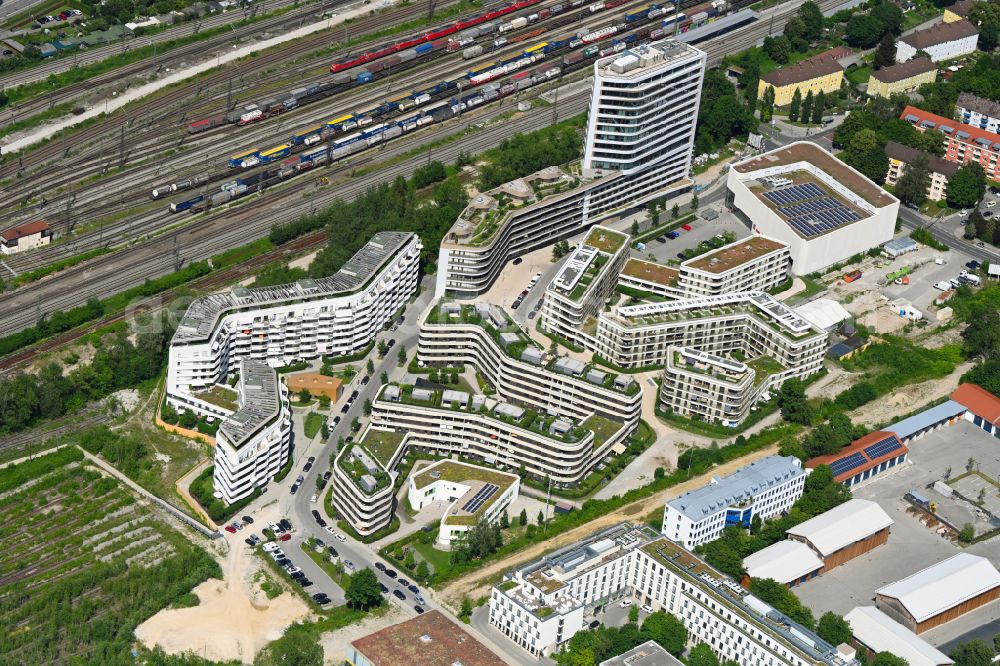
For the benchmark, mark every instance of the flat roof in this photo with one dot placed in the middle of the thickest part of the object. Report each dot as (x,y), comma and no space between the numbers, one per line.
(944,585)
(925,419)
(203,314)
(735,254)
(260,399)
(842,525)
(649,653)
(979,401)
(806,151)
(823,312)
(606,240)
(784,562)
(880,633)
(746,482)
(651,272)
(429,639)
(640,60)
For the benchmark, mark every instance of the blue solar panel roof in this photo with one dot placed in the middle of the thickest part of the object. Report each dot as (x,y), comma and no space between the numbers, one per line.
(847,463)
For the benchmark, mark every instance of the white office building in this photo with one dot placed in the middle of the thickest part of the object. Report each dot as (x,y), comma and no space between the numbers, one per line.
(542,605)
(253,443)
(802,195)
(337,315)
(638,147)
(764,488)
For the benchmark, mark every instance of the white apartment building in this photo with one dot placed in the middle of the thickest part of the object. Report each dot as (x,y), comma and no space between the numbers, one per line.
(542,605)
(253,443)
(498,433)
(638,147)
(756,263)
(710,387)
(484,337)
(474,494)
(750,322)
(941,41)
(337,315)
(802,195)
(362,488)
(764,488)
(978,112)
(584,284)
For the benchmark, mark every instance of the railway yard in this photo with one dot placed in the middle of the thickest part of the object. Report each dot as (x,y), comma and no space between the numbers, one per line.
(98,180)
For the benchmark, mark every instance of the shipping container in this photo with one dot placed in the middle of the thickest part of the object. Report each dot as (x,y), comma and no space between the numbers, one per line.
(472,52)
(407,55)
(525,83)
(365,77)
(487,28)
(572,58)
(184,205)
(244,160)
(423,48)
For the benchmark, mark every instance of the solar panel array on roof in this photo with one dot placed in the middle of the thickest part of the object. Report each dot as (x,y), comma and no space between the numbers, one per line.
(480,498)
(882,447)
(795,193)
(847,463)
(809,210)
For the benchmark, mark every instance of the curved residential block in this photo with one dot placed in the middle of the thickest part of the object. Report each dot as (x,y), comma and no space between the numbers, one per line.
(253,444)
(278,325)
(362,490)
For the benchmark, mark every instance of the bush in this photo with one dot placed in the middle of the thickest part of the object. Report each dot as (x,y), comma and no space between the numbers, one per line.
(202,490)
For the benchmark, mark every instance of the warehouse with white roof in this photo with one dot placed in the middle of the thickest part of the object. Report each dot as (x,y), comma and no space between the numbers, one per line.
(787,562)
(940,593)
(875,632)
(844,532)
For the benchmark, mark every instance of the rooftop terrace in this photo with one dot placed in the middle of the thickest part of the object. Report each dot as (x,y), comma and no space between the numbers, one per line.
(803,151)
(736,254)
(651,272)
(475,477)
(606,240)
(203,314)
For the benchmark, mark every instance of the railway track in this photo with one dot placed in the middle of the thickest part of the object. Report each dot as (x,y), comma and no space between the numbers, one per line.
(205,237)
(85,418)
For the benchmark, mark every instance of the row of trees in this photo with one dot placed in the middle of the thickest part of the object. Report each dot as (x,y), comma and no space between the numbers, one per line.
(981,337)
(592,647)
(808,110)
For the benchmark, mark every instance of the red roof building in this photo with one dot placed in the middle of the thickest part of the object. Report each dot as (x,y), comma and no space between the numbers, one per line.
(963,143)
(864,458)
(25,237)
(983,406)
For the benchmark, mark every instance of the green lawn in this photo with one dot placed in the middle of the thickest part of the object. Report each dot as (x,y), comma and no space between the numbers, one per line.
(220,396)
(438,560)
(314,421)
(383,444)
(859,75)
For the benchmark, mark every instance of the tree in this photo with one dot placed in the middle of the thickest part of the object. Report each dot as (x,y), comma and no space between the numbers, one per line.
(911,188)
(865,153)
(540,518)
(833,629)
(888,659)
(794,405)
(3,98)
(188,419)
(967,187)
(973,653)
(889,15)
(409,561)
(504,520)
(863,31)
(819,106)
(774,593)
(795,31)
(367,408)
(466,610)
(778,49)
(383,348)
(795,106)
(694,202)
(633,614)
(812,19)
(522,519)
(422,570)
(298,646)
(807,107)
(767,104)
(355,424)
(968,533)
(384,377)
(675,212)
(401,356)
(370,366)
(667,631)
(635,227)
(363,592)
(702,655)
(885,52)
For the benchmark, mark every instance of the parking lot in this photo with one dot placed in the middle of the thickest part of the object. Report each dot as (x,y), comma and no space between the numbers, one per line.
(701,230)
(914,543)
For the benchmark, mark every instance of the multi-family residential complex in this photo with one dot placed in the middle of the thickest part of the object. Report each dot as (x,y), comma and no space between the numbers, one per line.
(821,73)
(958,11)
(253,443)
(638,147)
(941,170)
(904,77)
(552,417)
(942,41)
(480,427)
(804,196)
(542,605)
(278,325)
(963,143)
(475,494)
(763,488)
(584,283)
(978,112)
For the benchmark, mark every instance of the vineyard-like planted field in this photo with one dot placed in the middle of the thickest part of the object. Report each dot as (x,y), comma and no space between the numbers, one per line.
(82,564)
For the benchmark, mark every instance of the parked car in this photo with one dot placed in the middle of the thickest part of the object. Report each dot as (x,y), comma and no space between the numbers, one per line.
(517,261)
(313,499)
(349,565)
(973,265)
(594,624)
(327,474)
(285,537)
(380,566)
(413,588)
(364,380)
(403,582)
(332,551)
(250,542)
(391,573)
(399,595)
(269,546)
(294,489)
(297,575)
(686,227)
(230,529)
(647,609)
(248,520)
(382,587)
(285,524)
(418,609)
(625,603)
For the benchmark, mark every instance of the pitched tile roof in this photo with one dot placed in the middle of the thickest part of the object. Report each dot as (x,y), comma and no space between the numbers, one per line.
(971,102)
(904,70)
(940,33)
(918,117)
(905,154)
(807,70)
(25,230)
(858,446)
(979,401)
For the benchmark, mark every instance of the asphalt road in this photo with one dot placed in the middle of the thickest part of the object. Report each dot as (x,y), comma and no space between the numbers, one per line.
(11,7)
